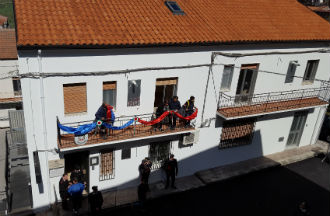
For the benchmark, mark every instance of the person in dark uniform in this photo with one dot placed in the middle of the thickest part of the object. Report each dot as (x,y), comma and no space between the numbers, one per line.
(95,200)
(189,109)
(63,188)
(142,192)
(160,110)
(171,169)
(145,170)
(77,173)
(174,105)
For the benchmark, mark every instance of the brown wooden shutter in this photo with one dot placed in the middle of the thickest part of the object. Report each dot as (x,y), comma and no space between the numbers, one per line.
(167,81)
(250,66)
(109,85)
(75,98)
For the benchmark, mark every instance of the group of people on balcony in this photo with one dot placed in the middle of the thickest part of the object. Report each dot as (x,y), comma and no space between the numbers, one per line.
(105,110)
(174,105)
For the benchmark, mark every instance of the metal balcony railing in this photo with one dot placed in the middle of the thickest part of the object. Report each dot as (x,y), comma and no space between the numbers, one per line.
(136,130)
(272,101)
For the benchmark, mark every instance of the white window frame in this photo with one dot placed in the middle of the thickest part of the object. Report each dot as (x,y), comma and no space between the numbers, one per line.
(227,86)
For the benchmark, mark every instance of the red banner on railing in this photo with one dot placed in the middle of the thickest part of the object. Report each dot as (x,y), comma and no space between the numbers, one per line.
(160,118)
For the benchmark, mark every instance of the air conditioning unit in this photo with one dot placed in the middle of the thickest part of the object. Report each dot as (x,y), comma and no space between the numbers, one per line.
(191,138)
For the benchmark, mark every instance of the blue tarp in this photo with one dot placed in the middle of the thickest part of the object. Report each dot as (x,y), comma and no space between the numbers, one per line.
(81,130)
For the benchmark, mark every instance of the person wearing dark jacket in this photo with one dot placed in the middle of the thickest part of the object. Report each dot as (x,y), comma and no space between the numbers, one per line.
(160,110)
(77,173)
(145,170)
(63,187)
(95,200)
(174,105)
(101,113)
(189,109)
(75,191)
(171,169)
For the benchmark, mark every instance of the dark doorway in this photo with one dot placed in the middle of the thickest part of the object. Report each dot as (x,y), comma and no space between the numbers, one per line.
(246,83)
(165,89)
(78,159)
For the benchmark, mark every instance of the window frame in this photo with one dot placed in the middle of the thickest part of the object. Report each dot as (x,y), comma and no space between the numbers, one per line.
(222,89)
(125,157)
(72,84)
(17,93)
(133,104)
(312,73)
(290,74)
(104,177)
(115,94)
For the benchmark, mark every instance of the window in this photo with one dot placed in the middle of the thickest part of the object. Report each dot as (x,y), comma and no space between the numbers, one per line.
(109,93)
(165,90)
(291,71)
(227,77)
(158,153)
(237,133)
(75,98)
(134,91)
(125,153)
(107,170)
(311,69)
(17,86)
(174,7)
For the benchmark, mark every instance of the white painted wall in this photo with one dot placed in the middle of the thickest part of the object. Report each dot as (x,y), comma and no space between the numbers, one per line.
(193,81)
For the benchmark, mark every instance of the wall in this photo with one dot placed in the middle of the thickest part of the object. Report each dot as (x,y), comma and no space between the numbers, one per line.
(42,132)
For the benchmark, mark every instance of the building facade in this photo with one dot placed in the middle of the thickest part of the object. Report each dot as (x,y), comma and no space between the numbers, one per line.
(252,99)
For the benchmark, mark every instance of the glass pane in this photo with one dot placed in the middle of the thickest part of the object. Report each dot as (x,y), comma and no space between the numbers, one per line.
(240,81)
(227,77)
(109,97)
(247,81)
(134,90)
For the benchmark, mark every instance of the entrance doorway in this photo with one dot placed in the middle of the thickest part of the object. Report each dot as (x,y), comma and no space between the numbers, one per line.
(159,152)
(78,160)
(165,89)
(246,83)
(297,128)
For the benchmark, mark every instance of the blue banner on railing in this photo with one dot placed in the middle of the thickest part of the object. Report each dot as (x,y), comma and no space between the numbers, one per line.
(118,127)
(81,130)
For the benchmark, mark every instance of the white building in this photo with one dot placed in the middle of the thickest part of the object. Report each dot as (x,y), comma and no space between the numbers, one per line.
(257,71)
(10,87)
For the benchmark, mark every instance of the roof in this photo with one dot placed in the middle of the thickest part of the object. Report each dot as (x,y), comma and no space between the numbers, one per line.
(150,22)
(325,8)
(8,48)
(3,19)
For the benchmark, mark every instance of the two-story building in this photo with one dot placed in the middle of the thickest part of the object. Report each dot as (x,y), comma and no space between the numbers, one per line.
(259,72)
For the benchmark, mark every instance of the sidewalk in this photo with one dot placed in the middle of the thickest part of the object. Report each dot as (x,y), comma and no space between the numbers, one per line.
(128,196)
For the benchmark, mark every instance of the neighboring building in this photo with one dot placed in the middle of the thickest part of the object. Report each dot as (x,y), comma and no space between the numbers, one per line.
(10,87)
(321,7)
(3,22)
(258,73)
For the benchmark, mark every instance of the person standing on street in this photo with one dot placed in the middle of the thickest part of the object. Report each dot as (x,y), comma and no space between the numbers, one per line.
(145,170)
(171,169)
(174,105)
(75,191)
(77,173)
(63,188)
(95,200)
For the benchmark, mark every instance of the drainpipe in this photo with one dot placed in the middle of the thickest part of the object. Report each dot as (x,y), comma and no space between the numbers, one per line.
(43,113)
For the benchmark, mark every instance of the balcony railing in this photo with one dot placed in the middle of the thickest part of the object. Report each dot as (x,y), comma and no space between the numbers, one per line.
(136,130)
(235,106)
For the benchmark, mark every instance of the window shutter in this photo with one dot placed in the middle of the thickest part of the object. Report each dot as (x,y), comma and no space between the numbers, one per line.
(75,98)
(166,81)
(109,85)
(291,72)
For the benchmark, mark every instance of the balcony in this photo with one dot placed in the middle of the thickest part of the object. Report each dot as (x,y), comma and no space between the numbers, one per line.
(136,131)
(233,107)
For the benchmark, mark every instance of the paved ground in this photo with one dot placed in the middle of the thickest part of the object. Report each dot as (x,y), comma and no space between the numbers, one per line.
(275,191)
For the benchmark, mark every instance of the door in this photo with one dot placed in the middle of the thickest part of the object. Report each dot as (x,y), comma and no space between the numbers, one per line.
(158,153)
(297,128)
(246,83)
(165,90)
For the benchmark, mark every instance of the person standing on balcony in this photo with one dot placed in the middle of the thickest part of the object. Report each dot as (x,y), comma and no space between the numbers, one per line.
(63,188)
(171,169)
(189,109)
(101,115)
(174,105)
(160,110)
(75,191)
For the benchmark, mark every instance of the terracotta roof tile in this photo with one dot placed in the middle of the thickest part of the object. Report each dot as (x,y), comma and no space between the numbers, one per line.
(8,48)
(145,22)
(3,19)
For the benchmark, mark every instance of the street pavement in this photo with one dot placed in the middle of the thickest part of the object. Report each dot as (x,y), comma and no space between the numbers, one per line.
(274,191)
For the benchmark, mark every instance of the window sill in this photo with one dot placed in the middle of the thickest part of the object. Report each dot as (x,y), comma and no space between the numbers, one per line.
(307,82)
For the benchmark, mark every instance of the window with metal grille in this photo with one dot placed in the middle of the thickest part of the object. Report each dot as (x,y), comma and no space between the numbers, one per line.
(158,153)
(110,93)
(75,98)
(310,71)
(237,133)
(227,76)
(134,91)
(107,166)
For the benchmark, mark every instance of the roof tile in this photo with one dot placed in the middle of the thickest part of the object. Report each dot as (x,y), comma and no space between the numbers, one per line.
(145,22)
(8,44)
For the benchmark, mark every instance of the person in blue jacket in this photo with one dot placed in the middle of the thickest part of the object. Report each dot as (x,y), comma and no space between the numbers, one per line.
(174,105)
(75,191)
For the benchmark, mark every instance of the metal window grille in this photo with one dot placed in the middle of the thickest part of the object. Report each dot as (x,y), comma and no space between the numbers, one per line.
(158,153)
(237,133)
(107,167)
